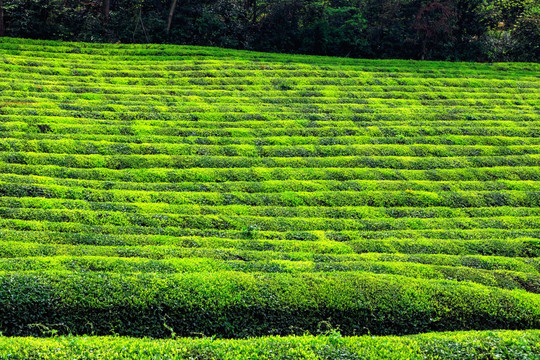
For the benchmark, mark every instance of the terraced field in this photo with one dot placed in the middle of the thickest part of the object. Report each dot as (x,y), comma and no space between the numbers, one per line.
(158,191)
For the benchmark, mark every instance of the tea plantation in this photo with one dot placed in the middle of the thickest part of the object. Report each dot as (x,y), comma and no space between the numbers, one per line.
(277,206)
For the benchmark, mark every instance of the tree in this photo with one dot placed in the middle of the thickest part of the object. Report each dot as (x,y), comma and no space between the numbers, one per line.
(2,26)
(338,31)
(171,14)
(254,9)
(527,35)
(434,25)
(470,25)
(106,9)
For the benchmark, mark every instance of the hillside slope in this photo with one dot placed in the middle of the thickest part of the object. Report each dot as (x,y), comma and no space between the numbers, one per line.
(155,190)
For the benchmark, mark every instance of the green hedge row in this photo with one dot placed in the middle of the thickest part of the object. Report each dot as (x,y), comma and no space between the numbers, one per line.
(495,278)
(347,212)
(512,248)
(205,242)
(32,51)
(214,63)
(373,79)
(457,199)
(103,148)
(158,71)
(459,345)
(199,161)
(397,130)
(157,222)
(141,93)
(355,109)
(253,232)
(18,248)
(310,133)
(484,242)
(192,77)
(484,264)
(115,104)
(15,249)
(455,234)
(310,129)
(132,138)
(516,264)
(266,174)
(93,100)
(78,50)
(273,186)
(255,94)
(442,242)
(145,105)
(240,305)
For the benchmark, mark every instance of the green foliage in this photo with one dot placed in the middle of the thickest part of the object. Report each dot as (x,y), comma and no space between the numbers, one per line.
(170,191)
(461,345)
(233,304)
(509,11)
(527,34)
(480,30)
(334,30)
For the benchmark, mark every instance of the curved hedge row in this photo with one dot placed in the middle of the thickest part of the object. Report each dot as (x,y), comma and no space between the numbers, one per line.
(268,174)
(120,161)
(458,345)
(484,271)
(243,305)
(103,148)
(406,198)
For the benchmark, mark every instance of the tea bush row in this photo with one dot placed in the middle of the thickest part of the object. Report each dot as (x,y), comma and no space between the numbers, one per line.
(331,345)
(241,304)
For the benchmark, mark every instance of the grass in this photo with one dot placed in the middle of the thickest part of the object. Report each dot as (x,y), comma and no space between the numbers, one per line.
(297,202)
(461,345)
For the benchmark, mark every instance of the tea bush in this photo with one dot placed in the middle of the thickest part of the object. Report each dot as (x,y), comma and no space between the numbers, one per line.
(158,191)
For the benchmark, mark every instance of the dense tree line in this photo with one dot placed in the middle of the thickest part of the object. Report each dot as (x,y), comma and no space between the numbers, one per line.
(481,30)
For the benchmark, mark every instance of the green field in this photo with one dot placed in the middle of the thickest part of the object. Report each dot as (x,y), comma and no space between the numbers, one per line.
(154,191)
(459,346)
